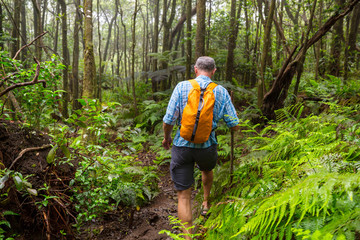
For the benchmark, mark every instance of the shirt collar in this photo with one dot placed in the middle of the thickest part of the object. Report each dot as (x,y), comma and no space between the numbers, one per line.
(203,77)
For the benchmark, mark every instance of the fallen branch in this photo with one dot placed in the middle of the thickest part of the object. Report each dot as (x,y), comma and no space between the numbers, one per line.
(34,81)
(29,150)
(27,45)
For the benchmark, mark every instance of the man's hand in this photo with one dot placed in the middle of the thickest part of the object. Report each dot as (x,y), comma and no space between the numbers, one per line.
(167,143)
(167,136)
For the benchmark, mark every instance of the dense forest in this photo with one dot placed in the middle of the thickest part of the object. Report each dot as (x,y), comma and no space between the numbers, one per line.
(85,85)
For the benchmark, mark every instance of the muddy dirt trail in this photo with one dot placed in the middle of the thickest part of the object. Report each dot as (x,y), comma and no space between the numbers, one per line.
(150,219)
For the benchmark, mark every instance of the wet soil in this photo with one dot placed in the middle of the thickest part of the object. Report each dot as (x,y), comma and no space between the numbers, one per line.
(147,221)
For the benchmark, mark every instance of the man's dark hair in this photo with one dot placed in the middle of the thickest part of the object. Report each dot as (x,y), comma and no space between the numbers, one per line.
(205,63)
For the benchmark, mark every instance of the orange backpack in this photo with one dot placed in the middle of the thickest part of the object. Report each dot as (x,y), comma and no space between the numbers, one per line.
(196,122)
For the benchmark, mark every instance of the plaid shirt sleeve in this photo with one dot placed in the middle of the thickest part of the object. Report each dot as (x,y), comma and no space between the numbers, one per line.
(227,110)
(173,108)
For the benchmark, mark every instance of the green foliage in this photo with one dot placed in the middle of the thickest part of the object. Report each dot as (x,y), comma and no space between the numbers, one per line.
(179,225)
(108,180)
(300,180)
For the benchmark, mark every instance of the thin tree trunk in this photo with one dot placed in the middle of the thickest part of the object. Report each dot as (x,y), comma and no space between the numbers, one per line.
(65,58)
(23,32)
(188,39)
(200,28)
(15,45)
(264,54)
(1,27)
(89,58)
(75,63)
(133,56)
(56,37)
(318,45)
(336,45)
(350,50)
(156,36)
(209,25)
(99,82)
(125,41)
(232,40)
(37,28)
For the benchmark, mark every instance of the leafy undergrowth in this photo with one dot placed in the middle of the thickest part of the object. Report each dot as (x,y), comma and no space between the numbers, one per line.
(300,180)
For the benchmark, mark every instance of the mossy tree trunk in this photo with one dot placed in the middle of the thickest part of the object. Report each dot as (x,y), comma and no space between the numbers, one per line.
(89,58)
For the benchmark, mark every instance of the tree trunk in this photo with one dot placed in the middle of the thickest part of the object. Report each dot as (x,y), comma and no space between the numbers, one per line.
(156,36)
(15,45)
(350,51)
(188,39)
(37,28)
(200,29)
(264,54)
(336,45)
(166,25)
(247,47)
(275,98)
(234,27)
(133,56)
(23,32)
(89,58)
(318,45)
(75,63)
(56,37)
(65,58)
(99,82)
(209,26)
(125,41)
(1,28)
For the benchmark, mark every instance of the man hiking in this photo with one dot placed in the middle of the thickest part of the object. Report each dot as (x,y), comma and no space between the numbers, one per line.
(185,153)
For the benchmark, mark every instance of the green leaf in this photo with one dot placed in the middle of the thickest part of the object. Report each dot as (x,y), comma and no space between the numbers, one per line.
(6,223)
(18,182)
(32,191)
(82,102)
(65,150)
(51,156)
(9,213)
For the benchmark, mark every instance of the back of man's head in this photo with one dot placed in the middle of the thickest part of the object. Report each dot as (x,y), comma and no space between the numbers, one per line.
(205,63)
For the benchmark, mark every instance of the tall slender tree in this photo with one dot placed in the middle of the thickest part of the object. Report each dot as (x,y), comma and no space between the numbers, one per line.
(200,28)
(37,28)
(75,62)
(23,31)
(336,44)
(89,58)
(234,27)
(351,48)
(65,58)
(188,39)
(1,28)
(264,54)
(133,55)
(15,45)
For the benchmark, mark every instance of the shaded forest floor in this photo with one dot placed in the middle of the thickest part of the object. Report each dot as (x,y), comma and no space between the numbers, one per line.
(37,221)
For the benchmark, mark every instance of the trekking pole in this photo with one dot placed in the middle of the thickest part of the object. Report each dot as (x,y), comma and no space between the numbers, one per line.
(232,149)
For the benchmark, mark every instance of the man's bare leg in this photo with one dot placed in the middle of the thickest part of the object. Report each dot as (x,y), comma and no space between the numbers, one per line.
(207,180)
(184,210)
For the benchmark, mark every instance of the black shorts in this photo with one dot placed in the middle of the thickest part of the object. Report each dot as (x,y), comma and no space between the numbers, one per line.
(183,160)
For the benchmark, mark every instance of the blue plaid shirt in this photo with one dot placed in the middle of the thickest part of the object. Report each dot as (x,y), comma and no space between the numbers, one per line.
(223,109)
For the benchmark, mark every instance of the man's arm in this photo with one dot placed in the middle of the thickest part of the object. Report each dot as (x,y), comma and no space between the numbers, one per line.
(167,135)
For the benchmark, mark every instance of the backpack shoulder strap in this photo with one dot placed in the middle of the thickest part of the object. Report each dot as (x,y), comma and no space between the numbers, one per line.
(211,86)
(194,83)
